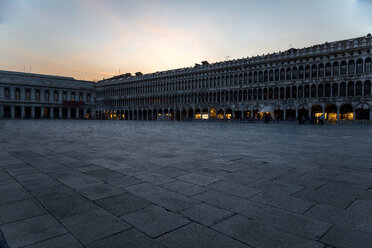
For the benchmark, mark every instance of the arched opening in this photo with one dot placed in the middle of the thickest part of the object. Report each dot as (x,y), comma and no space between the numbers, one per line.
(177,115)
(350,89)
(184,114)
(81,114)
(358,90)
(190,114)
(343,89)
(27,113)
(155,114)
(135,115)
(17,113)
(278,114)
(346,112)
(229,114)
(213,113)
(247,115)
(140,115)
(335,90)
(37,113)
(130,115)
(303,113)
(7,112)
(171,114)
(205,114)
(367,88)
(73,113)
(237,115)
(362,112)
(291,113)
(316,111)
(149,115)
(64,113)
(144,113)
(46,113)
(220,114)
(331,113)
(197,114)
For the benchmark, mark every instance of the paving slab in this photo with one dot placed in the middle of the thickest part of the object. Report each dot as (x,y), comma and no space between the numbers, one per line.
(197,236)
(123,204)
(20,210)
(206,214)
(256,234)
(63,241)
(155,221)
(198,179)
(33,230)
(344,237)
(130,238)
(93,225)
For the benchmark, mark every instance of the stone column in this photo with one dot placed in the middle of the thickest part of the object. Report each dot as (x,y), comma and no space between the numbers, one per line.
(77,113)
(32,112)
(51,113)
(370,114)
(338,114)
(42,112)
(69,113)
(60,115)
(12,112)
(23,112)
(296,112)
(1,111)
(85,113)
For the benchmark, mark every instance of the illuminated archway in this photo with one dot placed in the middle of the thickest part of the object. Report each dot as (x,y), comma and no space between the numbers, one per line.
(228,114)
(220,115)
(346,112)
(213,113)
(331,112)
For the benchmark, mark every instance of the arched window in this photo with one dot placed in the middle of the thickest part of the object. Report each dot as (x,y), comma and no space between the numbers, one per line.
(343,68)
(314,71)
(368,65)
(281,93)
(351,67)
(270,93)
(358,90)
(335,69)
(55,95)
(307,91)
(255,77)
(88,97)
(277,75)
(17,94)
(328,71)
(350,89)
(327,90)
(46,95)
(359,66)
(295,73)
(266,76)
(294,92)
(288,74)
(301,72)
(288,92)
(259,94)
(276,93)
(307,71)
(367,88)
(271,75)
(313,91)
(260,77)
(7,93)
(282,74)
(265,94)
(321,70)
(250,78)
(343,89)
(320,90)
(335,90)
(300,92)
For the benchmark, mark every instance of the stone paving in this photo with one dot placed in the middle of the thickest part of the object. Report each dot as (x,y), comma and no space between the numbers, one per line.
(176,184)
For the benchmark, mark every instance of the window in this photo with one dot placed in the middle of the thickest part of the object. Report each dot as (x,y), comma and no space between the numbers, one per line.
(328,71)
(343,68)
(335,69)
(351,67)
(46,95)
(17,94)
(368,65)
(55,95)
(28,94)
(7,93)
(37,95)
(359,67)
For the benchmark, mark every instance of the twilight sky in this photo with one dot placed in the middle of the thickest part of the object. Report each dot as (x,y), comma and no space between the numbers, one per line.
(93,39)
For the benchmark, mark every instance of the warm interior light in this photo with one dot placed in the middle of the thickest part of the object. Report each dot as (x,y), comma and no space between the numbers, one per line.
(197,116)
(205,116)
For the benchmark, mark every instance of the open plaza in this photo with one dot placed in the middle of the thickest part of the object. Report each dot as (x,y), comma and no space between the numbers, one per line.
(86,183)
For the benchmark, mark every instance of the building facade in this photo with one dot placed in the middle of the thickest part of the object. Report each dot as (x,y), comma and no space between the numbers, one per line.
(33,96)
(332,80)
